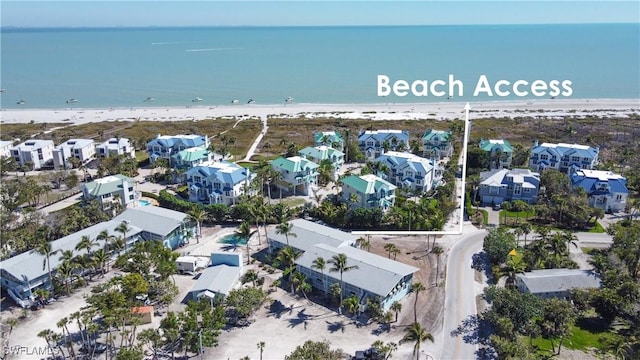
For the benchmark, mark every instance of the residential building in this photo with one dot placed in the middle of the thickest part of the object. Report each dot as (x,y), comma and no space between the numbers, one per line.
(36,153)
(329,138)
(219,279)
(501,185)
(374,143)
(5,148)
(376,278)
(563,157)
(115,147)
(220,182)
(436,144)
(297,174)
(368,191)
(172,228)
(500,153)
(318,154)
(82,149)
(606,190)
(110,189)
(409,171)
(188,158)
(165,146)
(556,283)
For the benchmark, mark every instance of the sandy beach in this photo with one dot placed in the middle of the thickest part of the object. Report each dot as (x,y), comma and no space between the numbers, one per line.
(555,108)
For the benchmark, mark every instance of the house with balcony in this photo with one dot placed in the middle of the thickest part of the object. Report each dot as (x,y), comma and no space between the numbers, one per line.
(501,185)
(321,153)
(500,153)
(374,143)
(165,146)
(436,144)
(218,182)
(110,189)
(563,157)
(605,189)
(115,147)
(188,158)
(5,148)
(82,149)
(332,139)
(297,174)
(368,191)
(36,153)
(409,171)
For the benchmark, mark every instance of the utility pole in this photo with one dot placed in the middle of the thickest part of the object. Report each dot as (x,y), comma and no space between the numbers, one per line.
(200,343)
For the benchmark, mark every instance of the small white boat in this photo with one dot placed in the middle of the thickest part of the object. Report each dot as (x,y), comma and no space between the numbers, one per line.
(72,101)
(149,99)
(288,99)
(251,101)
(235,101)
(197,99)
(21,102)
(1,90)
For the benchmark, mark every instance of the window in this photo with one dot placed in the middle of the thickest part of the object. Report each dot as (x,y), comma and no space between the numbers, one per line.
(544,157)
(130,197)
(130,188)
(575,158)
(216,186)
(619,197)
(527,190)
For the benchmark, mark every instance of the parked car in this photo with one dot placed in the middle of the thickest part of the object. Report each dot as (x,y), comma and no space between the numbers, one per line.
(92,345)
(496,207)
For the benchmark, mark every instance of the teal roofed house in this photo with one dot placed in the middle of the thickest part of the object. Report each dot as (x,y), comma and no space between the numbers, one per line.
(436,144)
(320,153)
(329,138)
(369,191)
(110,189)
(500,153)
(297,174)
(188,158)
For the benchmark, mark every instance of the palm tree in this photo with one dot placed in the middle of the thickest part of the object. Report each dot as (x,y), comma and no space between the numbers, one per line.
(526,230)
(511,269)
(198,214)
(287,256)
(285,228)
(364,243)
(390,248)
(86,243)
(104,236)
(339,264)
(118,244)
(67,255)
(261,348)
(245,232)
(353,305)
(570,239)
(299,281)
(417,334)
(124,229)
(396,307)
(65,272)
(101,257)
(320,264)
(437,251)
(43,248)
(416,288)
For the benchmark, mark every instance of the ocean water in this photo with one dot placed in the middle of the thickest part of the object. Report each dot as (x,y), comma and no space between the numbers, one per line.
(121,67)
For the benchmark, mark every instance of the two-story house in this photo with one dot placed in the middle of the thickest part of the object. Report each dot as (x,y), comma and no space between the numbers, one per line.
(500,153)
(110,189)
(374,143)
(329,138)
(36,153)
(563,157)
(188,158)
(606,190)
(165,146)
(297,174)
(408,170)
(82,149)
(115,147)
(501,185)
(436,144)
(318,154)
(218,182)
(368,191)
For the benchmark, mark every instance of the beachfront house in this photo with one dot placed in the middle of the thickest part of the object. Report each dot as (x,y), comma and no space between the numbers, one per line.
(5,148)
(110,189)
(332,139)
(82,149)
(501,185)
(436,144)
(115,147)
(297,174)
(605,189)
(368,191)
(218,182)
(563,157)
(165,146)
(556,283)
(377,278)
(374,143)
(500,153)
(33,153)
(321,153)
(188,158)
(408,171)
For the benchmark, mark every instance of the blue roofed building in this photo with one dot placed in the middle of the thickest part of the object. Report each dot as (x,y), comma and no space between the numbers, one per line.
(408,171)
(500,153)
(436,144)
(501,185)
(368,191)
(218,182)
(563,157)
(374,143)
(165,146)
(606,190)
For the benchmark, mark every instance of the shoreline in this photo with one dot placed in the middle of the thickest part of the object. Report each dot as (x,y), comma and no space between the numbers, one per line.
(544,108)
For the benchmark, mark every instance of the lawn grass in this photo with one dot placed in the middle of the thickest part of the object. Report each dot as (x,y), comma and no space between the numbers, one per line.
(142,156)
(485,215)
(586,334)
(293,202)
(599,229)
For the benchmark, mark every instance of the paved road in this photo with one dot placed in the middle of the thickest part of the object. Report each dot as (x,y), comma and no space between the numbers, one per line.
(460,293)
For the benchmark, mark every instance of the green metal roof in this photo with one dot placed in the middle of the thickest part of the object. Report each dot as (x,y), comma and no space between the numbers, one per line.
(488,145)
(367,184)
(192,154)
(293,164)
(107,185)
(321,152)
(444,135)
(333,136)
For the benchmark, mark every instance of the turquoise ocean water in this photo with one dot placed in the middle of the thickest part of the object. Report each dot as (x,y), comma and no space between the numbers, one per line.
(121,67)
